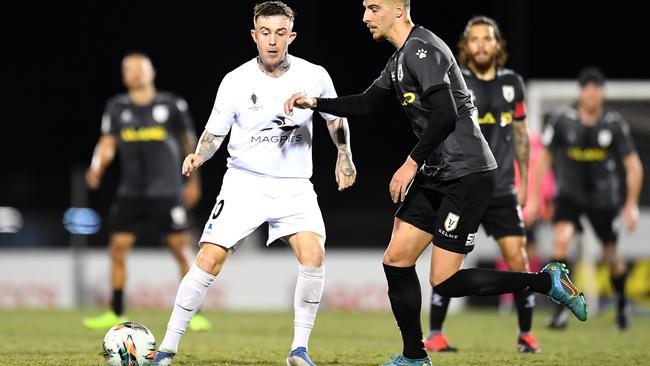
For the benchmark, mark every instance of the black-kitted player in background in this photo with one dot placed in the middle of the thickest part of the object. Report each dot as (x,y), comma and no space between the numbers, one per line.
(151,131)
(586,144)
(498,94)
(454,173)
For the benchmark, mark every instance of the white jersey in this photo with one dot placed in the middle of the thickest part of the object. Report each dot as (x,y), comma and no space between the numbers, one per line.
(263,139)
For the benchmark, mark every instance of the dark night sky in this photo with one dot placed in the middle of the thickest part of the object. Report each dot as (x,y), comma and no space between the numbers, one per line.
(63,63)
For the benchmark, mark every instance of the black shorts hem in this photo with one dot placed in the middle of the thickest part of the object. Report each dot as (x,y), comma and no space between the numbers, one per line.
(452,247)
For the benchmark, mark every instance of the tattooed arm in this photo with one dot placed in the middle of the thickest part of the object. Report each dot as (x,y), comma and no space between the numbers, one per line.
(207,146)
(345,171)
(522,154)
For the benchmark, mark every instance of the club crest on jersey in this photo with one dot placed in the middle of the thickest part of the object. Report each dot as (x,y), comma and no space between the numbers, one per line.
(451,222)
(160,113)
(604,138)
(126,116)
(400,72)
(508,92)
(254,107)
(421,53)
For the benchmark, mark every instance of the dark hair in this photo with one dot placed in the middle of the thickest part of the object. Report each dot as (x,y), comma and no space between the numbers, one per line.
(592,75)
(136,54)
(270,8)
(463,56)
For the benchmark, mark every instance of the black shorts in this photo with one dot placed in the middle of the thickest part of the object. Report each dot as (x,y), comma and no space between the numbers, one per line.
(452,211)
(503,217)
(162,215)
(601,219)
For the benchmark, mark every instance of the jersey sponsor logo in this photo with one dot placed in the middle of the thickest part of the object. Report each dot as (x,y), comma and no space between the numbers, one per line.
(408,99)
(471,238)
(277,139)
(421,53)
(488,119)
(451,222)
(400,72)
(508,92)
(254,107)
(157,133)
(586,155)
(282,122)
(160,113)
(604,138)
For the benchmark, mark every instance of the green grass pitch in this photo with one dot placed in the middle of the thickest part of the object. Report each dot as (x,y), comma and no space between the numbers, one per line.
(339,338)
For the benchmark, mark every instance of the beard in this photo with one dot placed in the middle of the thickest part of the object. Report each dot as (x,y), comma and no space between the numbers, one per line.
(483,66)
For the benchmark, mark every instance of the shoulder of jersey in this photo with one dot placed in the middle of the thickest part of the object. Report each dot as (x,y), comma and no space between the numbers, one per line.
(505,73)
(119,99)
(612,116)
(465,70)
(166,97)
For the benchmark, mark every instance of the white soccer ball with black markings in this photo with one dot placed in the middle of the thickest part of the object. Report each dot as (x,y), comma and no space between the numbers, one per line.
(129,344)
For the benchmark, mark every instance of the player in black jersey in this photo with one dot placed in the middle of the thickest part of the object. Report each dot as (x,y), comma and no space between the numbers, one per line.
(587,143)
(449,176)
(151,131)
(498,94)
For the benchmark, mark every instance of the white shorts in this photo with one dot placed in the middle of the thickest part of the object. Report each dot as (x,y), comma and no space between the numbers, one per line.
(246,201)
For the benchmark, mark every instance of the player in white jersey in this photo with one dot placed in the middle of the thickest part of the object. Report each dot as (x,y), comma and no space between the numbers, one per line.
(268,174)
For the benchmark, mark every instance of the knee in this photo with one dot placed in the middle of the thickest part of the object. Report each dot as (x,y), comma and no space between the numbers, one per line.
(312,256)
(516,259)
(118,252)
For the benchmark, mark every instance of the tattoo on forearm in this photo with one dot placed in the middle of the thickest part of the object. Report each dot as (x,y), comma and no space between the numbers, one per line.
(522,148)
(208,145)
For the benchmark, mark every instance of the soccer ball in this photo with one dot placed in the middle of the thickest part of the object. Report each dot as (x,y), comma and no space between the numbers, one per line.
(129,344)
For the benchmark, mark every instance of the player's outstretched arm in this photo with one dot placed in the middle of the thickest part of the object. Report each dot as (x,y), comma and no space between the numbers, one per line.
(207,146)
(345,171)
(102,157)
(350,105)
(300,101)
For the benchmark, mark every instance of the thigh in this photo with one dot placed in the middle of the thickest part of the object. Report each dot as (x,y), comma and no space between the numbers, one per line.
(407,243)
(503,217)
(236,213)
(461,211)
(420,207)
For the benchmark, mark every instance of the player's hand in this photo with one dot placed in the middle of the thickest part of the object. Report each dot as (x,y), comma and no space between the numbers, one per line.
(298,100)
(631,216)
(192,193)
(531,211)
(401,180)
(345,171)
(191,163)
(93,179)
(522,195)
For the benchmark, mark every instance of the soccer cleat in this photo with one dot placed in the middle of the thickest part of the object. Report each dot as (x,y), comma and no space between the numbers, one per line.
(200,323)
(564,292)
(163,358)
(528,344)
(299,357)
(399,360)
(104,321)
(438,343)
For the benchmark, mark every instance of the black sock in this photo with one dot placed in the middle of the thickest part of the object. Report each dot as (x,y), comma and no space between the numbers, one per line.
(118,302)
(438,312)
(525,302)
(619,288)
(482,282)
(406,301)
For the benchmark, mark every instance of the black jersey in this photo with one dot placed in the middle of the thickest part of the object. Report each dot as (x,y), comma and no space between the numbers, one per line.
(148,143)
(425,63)
(586,159)
(500,103)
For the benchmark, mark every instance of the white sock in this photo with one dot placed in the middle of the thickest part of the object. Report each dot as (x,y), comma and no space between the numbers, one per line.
(309,289)
(189,298)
